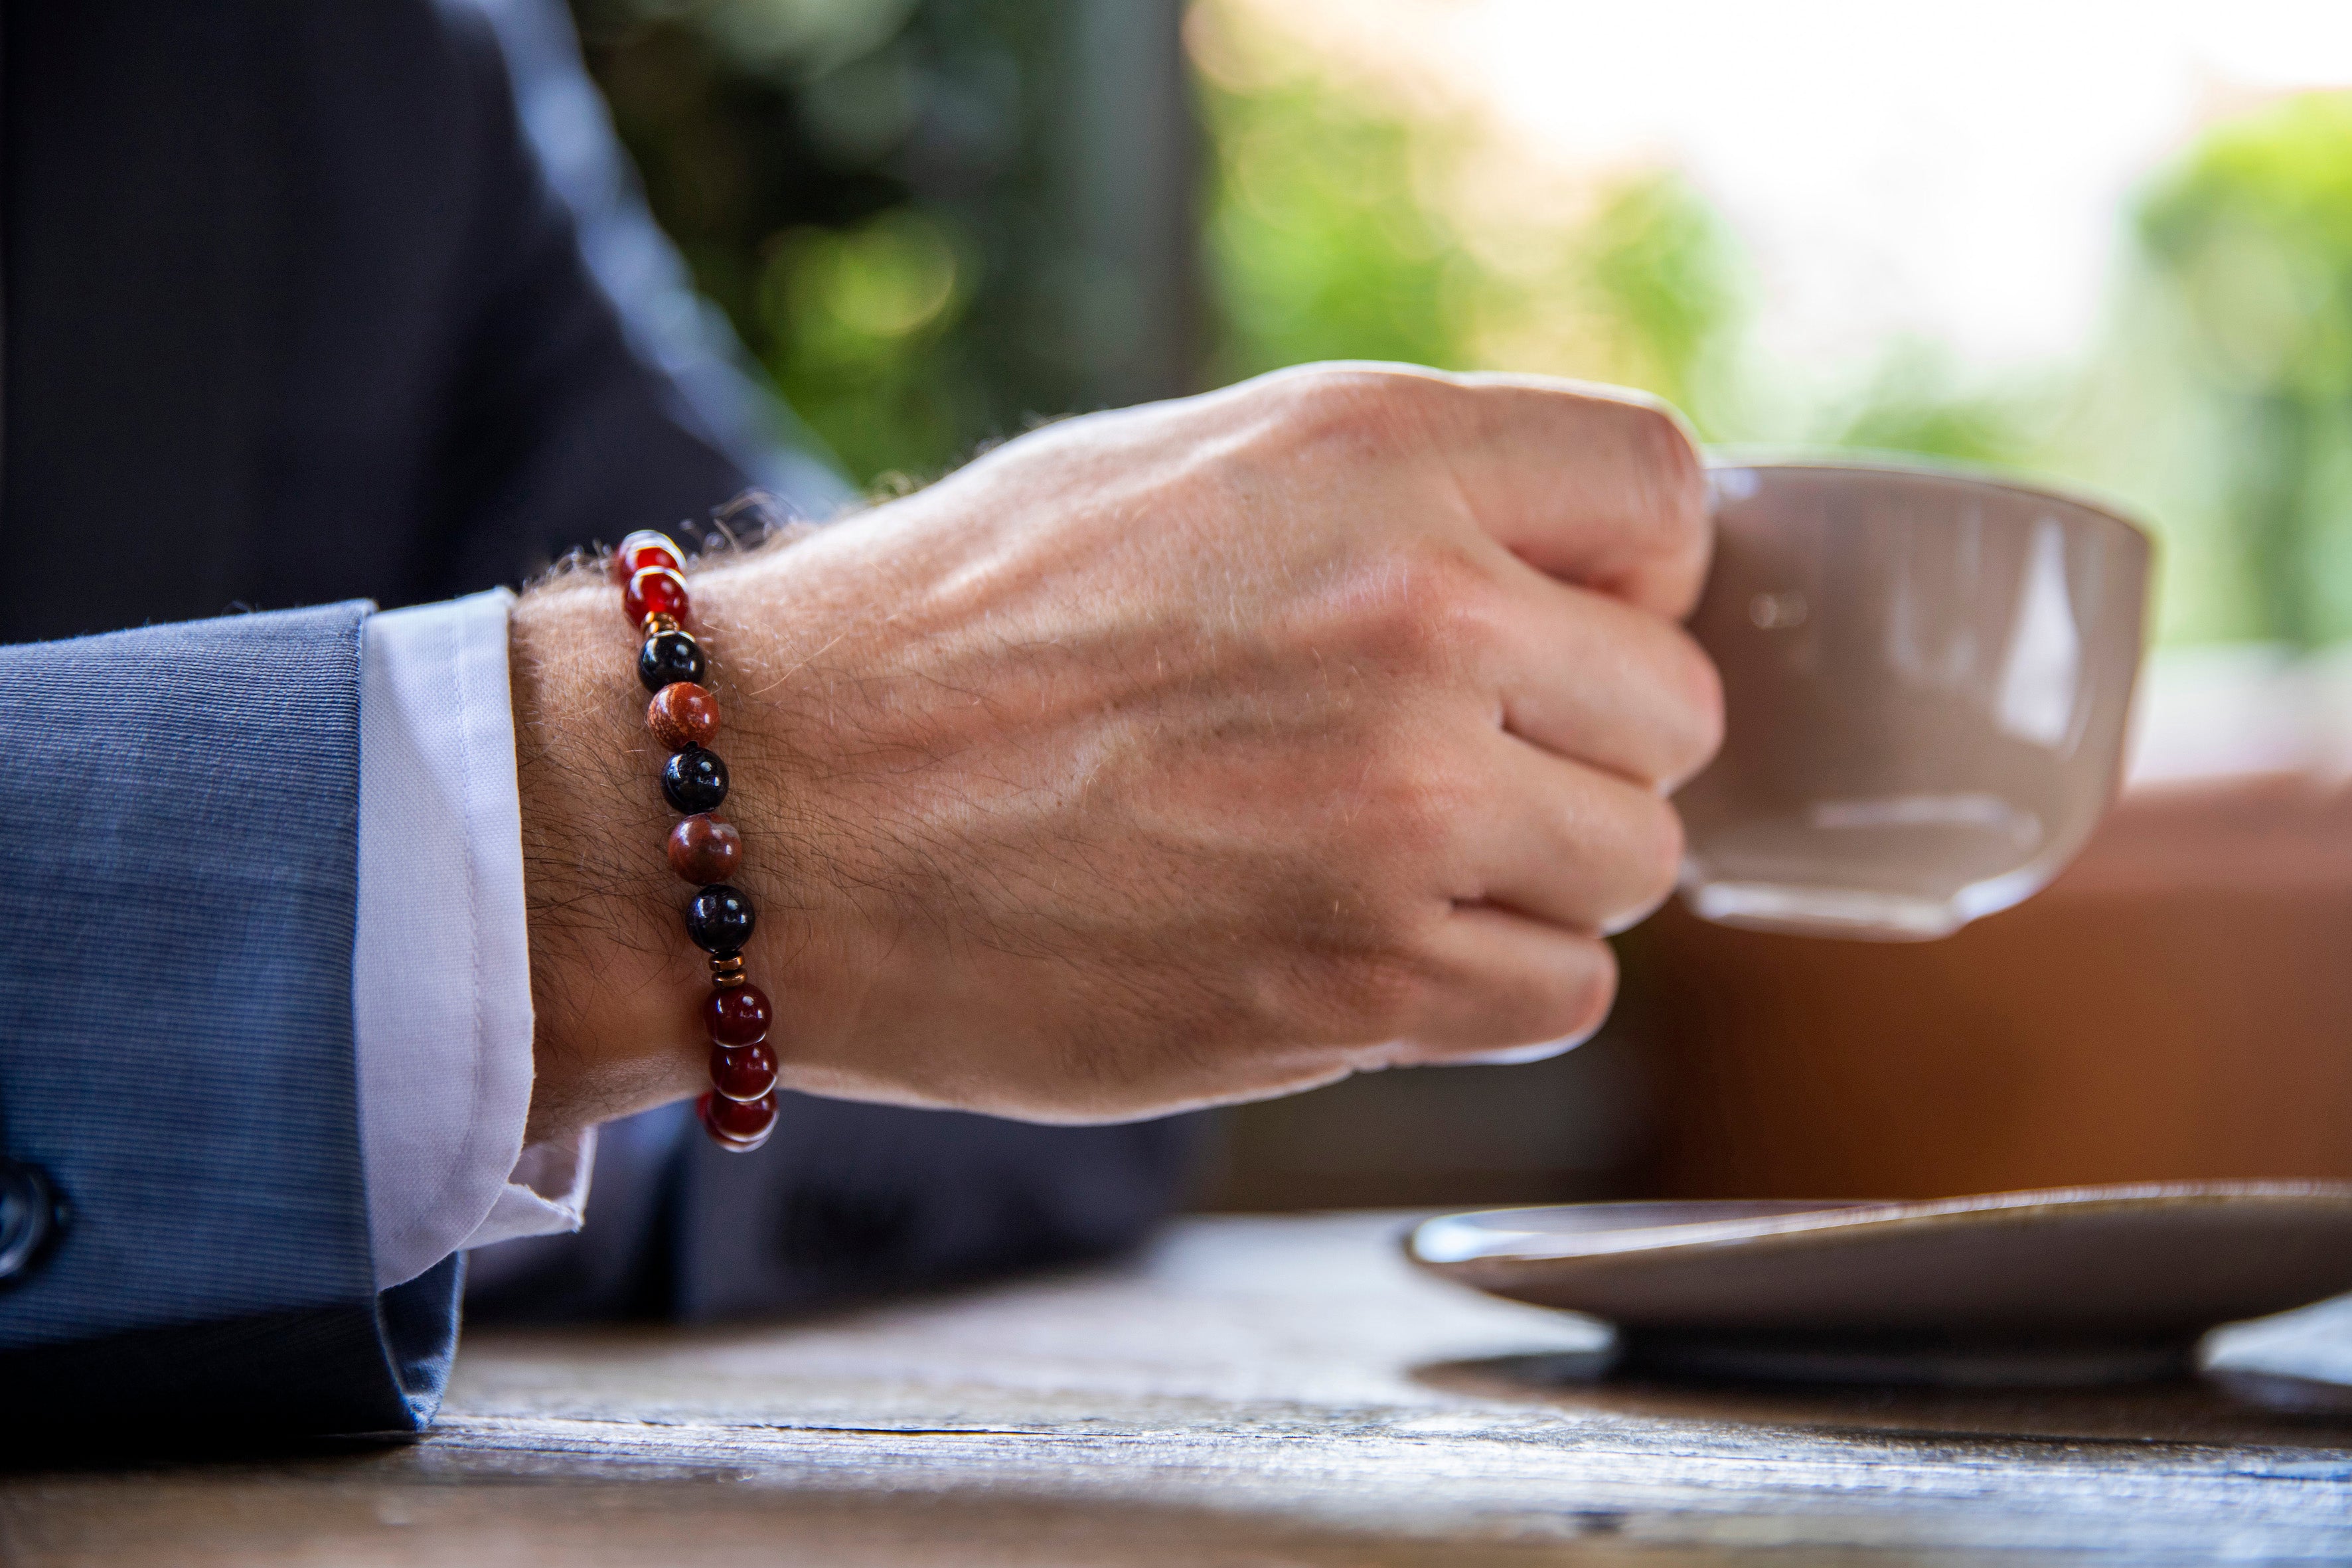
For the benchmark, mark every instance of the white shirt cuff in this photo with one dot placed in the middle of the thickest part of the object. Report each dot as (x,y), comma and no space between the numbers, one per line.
(441,966)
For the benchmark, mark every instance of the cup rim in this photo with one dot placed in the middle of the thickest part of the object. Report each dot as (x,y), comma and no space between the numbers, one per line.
(1868,460)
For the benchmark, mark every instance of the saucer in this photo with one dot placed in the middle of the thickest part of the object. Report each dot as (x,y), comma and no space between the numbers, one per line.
(2074,1285)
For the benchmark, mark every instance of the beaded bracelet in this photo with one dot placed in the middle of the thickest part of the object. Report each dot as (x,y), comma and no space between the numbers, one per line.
(738,1110)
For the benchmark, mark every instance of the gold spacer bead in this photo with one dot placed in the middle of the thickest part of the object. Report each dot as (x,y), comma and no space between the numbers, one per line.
(726,973)
(658,622)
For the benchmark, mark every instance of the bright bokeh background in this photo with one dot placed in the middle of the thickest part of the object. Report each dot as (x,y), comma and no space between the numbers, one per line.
(2107,243)
(1889,168)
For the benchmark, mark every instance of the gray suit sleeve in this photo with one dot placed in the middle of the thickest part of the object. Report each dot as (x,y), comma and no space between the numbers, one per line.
(179,810)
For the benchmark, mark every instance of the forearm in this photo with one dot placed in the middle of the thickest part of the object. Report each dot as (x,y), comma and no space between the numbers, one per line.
(616,986)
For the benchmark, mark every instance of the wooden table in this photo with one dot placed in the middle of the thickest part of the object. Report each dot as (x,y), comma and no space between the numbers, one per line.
(1255,1390)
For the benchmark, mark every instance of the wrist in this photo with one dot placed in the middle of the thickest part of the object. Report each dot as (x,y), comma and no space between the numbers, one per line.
(618,990)
(613,983)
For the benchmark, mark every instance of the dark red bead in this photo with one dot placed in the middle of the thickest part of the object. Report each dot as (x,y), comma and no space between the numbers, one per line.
(643,549)
(656,591)
(741,1125)
(737,1016)
(743,1072)
(732,1145)
(683,714)
(704,850)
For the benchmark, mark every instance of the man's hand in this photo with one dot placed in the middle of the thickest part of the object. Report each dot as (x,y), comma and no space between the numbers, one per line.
(1188,754)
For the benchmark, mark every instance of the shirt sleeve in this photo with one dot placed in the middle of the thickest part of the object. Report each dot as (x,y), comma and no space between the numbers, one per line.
(441,962)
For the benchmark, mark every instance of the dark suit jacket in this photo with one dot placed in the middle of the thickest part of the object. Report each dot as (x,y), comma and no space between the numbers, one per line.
(291,317)
(292,314)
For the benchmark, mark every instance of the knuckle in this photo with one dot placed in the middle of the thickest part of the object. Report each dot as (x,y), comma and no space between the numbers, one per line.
(1649,858)
(1357,992)
(1699,685)
(1426,605)
(1380,993)
(1423,803)
(1668,464)
(1360,410)
(1349,957)
(1673,485)
(1582,1000)
(1350,382)
(1663,847)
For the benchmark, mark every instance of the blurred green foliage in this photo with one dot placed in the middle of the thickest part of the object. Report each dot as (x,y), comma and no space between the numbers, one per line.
(1656,258)
(1917,401)
(2248,242)
(1323,245)
(1333,233)
(865,187)
(1320,247)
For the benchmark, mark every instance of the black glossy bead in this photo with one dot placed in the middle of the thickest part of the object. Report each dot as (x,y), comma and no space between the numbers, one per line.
(720,920)
(695,780)
(667,657)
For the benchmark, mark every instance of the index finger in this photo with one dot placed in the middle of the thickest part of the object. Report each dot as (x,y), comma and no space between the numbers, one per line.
(1595,486)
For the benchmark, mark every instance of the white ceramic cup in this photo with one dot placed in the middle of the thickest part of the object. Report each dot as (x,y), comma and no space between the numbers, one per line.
(1927,678)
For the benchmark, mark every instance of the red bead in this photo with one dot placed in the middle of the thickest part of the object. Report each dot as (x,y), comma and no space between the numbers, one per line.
(683,714)
(743,1072)
(738,1015)
(655,591)
(643,549)
(740,1125)
(704,850)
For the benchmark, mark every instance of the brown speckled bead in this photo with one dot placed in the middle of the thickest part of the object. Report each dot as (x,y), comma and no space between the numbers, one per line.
(683,714)
(704,850)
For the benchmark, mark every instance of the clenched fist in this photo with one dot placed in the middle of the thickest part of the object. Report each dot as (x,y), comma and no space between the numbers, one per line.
(1187,754)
